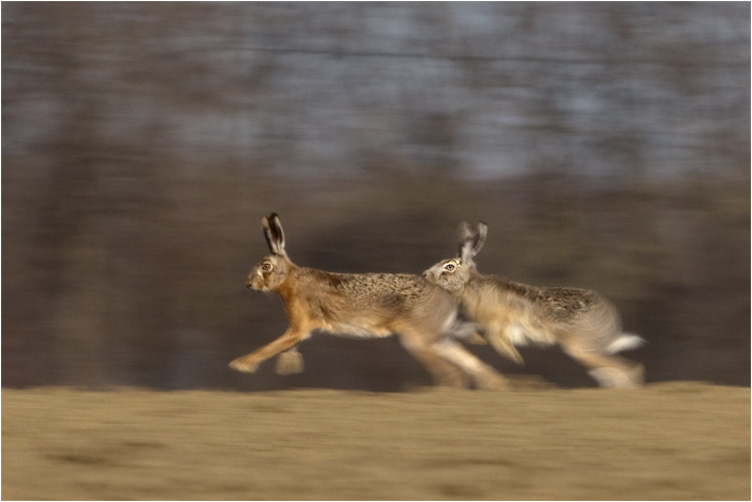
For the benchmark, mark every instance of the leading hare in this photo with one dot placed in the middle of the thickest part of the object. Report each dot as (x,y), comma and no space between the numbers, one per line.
(423,315)
(585,324)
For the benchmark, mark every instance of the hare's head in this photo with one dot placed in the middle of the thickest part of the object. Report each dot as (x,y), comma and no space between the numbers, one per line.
(453,273)
(273,270)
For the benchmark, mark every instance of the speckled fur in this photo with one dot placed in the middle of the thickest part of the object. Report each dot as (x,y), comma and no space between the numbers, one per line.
(583,322)
(423,315)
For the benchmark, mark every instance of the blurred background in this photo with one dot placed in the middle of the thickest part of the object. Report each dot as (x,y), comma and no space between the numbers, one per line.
(607,145)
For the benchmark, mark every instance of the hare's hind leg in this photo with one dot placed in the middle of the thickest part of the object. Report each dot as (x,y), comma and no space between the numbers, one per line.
(285,343)
(442,372)
(484,376)
(610,371)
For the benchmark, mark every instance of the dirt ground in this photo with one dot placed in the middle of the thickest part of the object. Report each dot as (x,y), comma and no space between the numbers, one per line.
(666,441)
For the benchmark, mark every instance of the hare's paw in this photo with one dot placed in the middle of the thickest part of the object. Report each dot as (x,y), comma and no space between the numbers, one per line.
(637,375)
(289,362)
(491,381)
(452,377)
(619,377)
(244,365)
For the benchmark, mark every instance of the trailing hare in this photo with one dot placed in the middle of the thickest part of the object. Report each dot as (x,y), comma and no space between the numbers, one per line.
(424,316)
(584,323)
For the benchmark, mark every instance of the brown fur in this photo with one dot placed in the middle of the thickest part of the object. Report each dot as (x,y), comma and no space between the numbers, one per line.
(583,322)
(363,305)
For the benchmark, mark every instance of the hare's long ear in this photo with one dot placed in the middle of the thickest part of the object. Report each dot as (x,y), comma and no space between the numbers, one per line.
(481,230)
(465,232)
(275,236)
(471,240)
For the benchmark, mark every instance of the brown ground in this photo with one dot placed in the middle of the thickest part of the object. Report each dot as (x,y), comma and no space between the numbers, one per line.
(666,441)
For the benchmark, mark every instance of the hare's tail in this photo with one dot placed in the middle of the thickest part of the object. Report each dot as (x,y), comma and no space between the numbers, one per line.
(625,341)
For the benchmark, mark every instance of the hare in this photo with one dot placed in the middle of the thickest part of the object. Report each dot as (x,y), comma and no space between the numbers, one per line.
(585,324)
(424,316)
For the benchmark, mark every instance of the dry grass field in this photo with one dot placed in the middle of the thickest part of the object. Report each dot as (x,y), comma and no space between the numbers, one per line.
(677,440)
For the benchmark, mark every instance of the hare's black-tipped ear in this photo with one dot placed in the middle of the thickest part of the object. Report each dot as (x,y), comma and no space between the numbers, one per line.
(275,236)
(268,235)
(471,240)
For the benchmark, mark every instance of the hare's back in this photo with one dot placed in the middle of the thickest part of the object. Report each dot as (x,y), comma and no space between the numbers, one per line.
(569,303)
(390,302)
(385,288)
(377,290)
(559,303)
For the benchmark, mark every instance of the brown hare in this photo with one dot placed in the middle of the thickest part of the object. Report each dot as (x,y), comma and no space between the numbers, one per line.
(585,324)
(423,315)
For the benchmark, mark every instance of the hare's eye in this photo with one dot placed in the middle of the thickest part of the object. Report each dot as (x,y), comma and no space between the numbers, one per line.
(266,267)
(449,267)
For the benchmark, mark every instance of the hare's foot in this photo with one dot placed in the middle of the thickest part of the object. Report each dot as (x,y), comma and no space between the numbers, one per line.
(619,377)
(491,380)
(289,362)
(443,373)
(637,375)
(610,371)
(244,364)
(451,376)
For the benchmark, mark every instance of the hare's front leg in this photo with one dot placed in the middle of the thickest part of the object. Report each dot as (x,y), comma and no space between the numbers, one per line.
(249,363)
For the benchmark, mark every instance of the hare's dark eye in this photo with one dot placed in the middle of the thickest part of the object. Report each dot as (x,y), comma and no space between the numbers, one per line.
(449,267)
(266,267)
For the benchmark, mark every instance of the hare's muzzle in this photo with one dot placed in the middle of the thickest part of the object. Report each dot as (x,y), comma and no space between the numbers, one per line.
(251,281)
(255,280)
